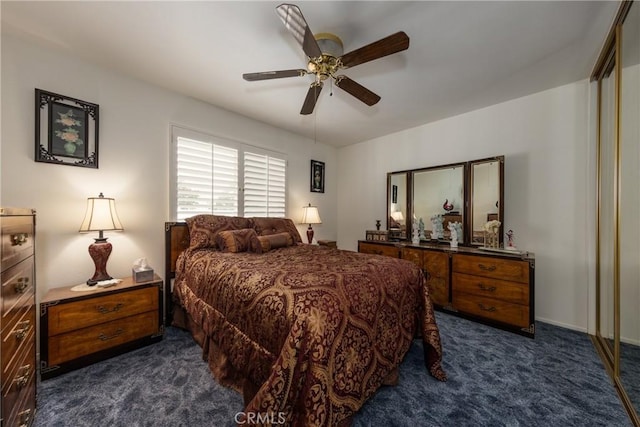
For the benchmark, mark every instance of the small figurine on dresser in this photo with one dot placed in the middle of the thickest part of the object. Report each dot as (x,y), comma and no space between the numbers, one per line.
(454,234)
(437,230)
(421,228)
(415,233)
(510,244)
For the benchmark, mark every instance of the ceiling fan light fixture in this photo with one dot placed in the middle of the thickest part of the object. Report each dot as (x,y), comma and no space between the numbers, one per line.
(330,44)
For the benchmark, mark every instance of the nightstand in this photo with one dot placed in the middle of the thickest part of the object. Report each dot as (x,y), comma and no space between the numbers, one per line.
(330,243)
(78,328)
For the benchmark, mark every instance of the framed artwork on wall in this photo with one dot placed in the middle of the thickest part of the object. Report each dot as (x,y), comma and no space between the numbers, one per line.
(66,130)
(317,176)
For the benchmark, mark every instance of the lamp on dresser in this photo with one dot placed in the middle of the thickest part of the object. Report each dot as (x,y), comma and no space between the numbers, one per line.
(101,216)
(310,216)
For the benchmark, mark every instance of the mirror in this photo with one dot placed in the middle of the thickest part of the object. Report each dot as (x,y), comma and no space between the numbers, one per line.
(607,205)
(630,207)
(397,192)
(439,191)
(487,178)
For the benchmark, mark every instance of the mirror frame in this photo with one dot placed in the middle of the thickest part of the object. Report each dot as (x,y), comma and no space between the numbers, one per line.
(500,161)
(408,205)
(467,208)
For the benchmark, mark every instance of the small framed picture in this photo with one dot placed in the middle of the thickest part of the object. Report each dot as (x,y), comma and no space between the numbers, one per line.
(317,176)
(66,130)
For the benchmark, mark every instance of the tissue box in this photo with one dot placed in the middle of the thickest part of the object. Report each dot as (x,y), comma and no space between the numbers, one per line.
(142,274)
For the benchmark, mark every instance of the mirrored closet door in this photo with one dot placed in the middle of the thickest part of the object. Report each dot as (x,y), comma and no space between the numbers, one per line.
(617,338)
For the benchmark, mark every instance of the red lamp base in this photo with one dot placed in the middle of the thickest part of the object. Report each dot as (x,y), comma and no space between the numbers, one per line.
(310,234)
(99,251)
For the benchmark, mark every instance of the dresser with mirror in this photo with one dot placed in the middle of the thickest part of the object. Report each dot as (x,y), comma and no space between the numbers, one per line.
(491,285)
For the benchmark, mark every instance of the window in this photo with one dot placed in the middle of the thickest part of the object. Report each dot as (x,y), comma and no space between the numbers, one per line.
(209,174)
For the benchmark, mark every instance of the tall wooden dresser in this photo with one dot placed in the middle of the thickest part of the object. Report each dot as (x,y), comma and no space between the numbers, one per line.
(18,317)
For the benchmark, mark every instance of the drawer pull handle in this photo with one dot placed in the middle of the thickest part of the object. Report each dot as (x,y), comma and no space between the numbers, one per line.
(24,329)
(104,337)
(105,310)
(19,239)
(484,287)
(377,252)
(22,285)
(24,417)
(487,268)
(22,380)
(490,309)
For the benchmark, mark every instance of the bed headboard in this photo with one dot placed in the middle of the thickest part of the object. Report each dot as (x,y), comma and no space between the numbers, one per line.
(176,240)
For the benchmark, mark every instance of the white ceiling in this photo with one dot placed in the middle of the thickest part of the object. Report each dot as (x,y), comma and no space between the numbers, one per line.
(462,55)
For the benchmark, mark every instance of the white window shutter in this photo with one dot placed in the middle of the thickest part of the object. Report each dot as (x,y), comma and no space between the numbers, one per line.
(206,179)
(264,185)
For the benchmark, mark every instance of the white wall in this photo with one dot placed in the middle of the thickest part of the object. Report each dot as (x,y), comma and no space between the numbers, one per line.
(549,190)
(134,142)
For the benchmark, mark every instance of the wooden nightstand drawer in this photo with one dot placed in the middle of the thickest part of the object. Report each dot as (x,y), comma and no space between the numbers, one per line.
(72,345)
(498,268)
(375,249)
(515,292)
(80,328)
(93,311)
(494,309)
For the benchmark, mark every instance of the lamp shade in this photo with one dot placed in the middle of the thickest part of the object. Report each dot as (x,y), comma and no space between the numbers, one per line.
(101,215)
(397,216)
(310,215)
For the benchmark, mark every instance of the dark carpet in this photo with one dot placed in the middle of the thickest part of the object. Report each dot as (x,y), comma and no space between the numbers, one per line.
(496,378)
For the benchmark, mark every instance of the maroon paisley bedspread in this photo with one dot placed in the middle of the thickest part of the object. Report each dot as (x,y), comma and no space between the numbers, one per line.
(317,329)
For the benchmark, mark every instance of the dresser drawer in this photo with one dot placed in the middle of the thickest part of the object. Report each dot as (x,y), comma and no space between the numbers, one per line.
(72,345)
(18,385)
(372,248)
(94,311)
(515,292)
(490,308)
(17,239)
(436,271)
(413,255)
(20,334)
(17,290)
(497,268)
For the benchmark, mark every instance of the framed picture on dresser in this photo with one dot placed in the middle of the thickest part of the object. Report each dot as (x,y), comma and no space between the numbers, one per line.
(66,130)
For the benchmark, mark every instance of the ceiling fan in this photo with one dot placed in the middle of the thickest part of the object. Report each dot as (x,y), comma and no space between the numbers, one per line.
(324,52)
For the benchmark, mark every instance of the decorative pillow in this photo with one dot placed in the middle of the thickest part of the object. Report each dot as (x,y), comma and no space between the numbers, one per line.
(239,241)
(269,226)
(274,241)
(204,229)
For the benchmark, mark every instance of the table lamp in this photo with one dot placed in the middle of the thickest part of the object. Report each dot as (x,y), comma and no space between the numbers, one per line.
(101,216)
(310,216)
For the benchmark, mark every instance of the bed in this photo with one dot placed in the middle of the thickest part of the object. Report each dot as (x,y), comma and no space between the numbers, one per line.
(306,333)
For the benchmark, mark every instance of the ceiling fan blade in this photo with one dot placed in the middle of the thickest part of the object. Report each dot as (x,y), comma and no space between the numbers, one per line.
(357,90)
(267,75)
(312,98)
(391,44)
(293,20)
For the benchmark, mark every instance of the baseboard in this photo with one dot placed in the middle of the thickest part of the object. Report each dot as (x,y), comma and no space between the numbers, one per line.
(562,325)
